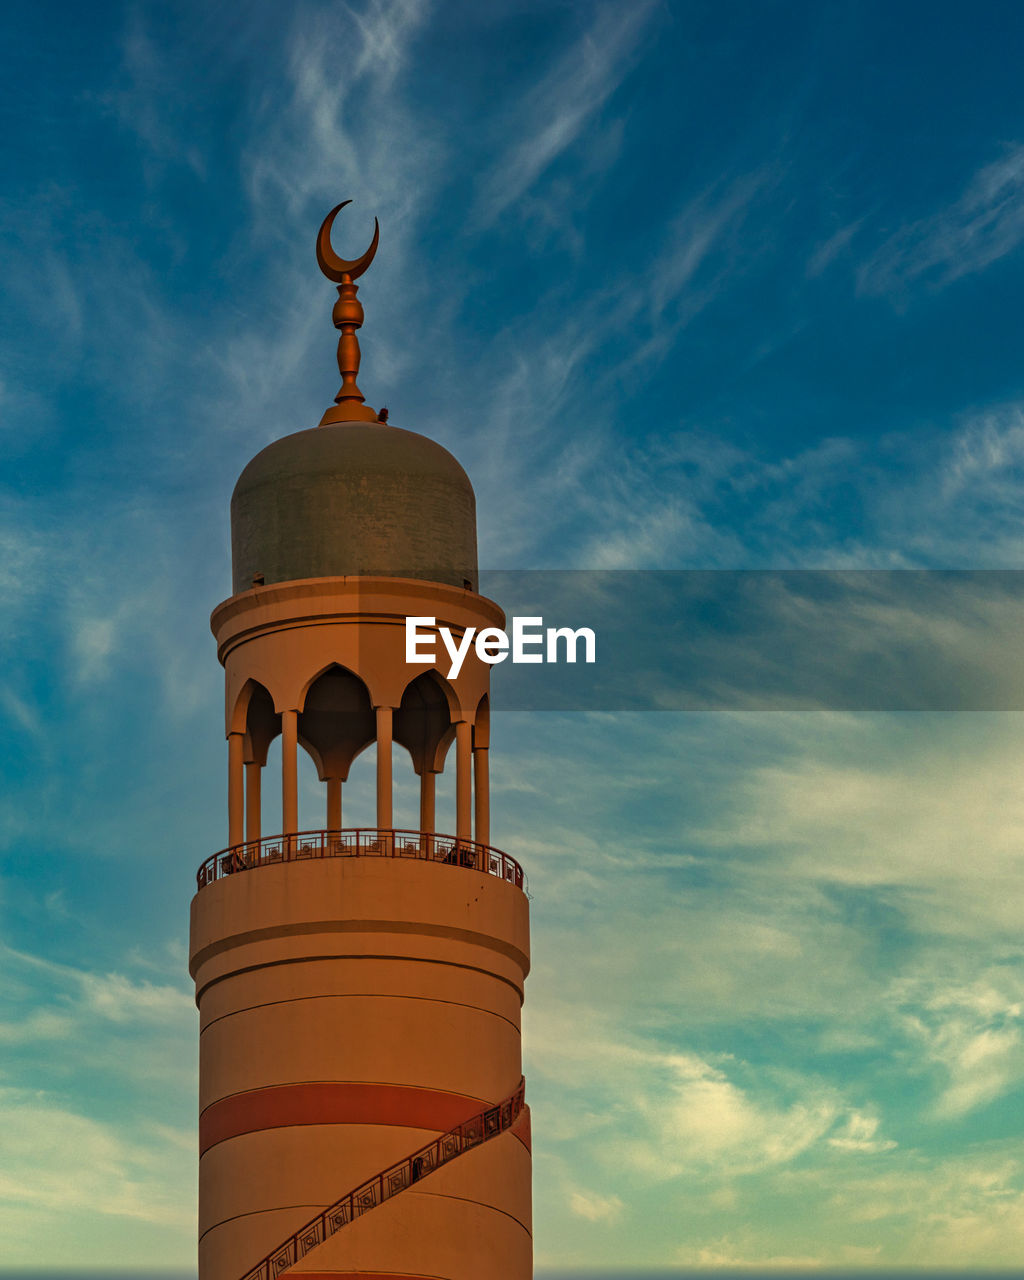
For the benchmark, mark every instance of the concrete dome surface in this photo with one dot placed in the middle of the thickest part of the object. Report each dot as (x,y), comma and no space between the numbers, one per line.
(353,498)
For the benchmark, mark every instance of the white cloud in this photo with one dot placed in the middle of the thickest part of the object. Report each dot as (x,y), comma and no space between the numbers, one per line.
(696,1116)
(24,715)
(617,330)
(52,1156)
(985,224)
(657,1114)
(832,248)
(964,1209)
(386,27)
(593,1207)
(985,457)
(560,107)
(725,1253)
(40,1025)
(130,1032)
(116,997)
(72,1186)
(147,102)
(859,1133)
(972,1031)
(944,819)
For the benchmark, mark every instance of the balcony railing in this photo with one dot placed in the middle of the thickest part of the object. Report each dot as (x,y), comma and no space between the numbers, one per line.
(381,1187)
(359,842)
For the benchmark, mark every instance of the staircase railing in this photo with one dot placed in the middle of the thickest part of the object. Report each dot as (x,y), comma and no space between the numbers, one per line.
(399,1177)
(362,842)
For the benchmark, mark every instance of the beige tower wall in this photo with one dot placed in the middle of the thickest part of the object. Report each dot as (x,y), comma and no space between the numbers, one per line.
(285,635)
(460,1223)
(352,1009)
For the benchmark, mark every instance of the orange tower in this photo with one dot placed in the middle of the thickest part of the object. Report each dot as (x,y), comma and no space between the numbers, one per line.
(359,990)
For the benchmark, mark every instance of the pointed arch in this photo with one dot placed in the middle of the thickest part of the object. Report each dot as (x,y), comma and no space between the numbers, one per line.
(337,720)
(423,719)
(254,716)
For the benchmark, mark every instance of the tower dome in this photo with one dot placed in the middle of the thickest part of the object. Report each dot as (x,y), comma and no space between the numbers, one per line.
(353,498)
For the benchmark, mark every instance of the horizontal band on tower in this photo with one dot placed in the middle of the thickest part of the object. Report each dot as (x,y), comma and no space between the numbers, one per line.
(333,1102)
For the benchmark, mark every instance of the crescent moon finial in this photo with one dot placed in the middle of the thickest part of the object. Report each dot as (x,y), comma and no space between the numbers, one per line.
(348,317)
(333,267)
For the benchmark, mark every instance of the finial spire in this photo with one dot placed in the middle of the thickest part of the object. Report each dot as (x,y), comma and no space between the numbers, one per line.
(348,316)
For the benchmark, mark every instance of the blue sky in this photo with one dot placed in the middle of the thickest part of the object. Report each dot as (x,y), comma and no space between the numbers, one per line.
(684,286)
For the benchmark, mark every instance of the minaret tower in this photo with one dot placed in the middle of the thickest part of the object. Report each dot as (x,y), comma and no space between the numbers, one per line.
(359,990)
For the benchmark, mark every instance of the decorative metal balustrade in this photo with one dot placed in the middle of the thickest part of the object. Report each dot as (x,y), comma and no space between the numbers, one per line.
(362,842)
(399,1177)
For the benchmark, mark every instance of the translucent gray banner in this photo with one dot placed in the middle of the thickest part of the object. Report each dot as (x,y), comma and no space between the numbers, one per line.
(693,640)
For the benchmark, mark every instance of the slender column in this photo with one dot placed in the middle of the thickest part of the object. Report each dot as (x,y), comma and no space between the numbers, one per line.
(427,791)
(333,804)
(384,809)
(290,771)
(463,781)
(235,787)
(482,796)
(253,806)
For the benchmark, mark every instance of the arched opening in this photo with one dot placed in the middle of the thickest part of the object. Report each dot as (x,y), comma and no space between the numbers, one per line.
(336,723)
(421,724)
(256,724)
(262,723)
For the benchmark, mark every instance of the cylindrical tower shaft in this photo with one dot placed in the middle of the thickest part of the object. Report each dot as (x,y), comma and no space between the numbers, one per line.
(361,1097)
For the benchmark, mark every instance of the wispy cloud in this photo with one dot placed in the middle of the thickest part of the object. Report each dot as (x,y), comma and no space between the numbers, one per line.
(660,1113)
(833,248)
(953,1210)
(117,1023)
(386,28)
(146,101)
(859,1133)
(66,1177)
(103,1132)
(985,224)
(974,1032)
(618,331)
(727,1252)
(340,115)
(559,108)
(913,1211)
(984,460)
(95,1167)
(594,1208)
(835,814)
